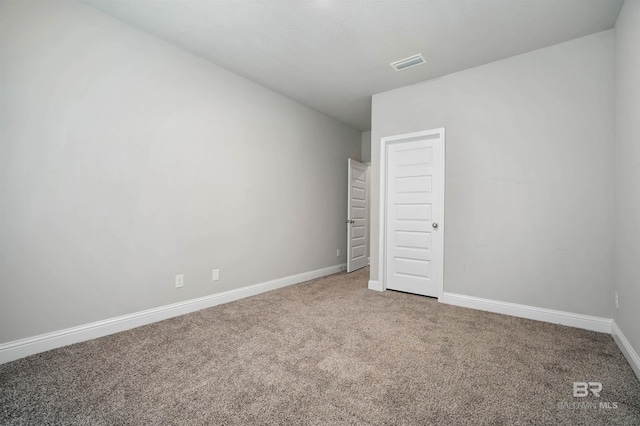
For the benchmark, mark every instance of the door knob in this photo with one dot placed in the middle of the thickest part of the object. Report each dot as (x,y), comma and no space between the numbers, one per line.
(435,225)
(350,221)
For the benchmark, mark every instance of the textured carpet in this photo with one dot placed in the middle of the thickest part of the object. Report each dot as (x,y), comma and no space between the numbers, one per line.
(327,352)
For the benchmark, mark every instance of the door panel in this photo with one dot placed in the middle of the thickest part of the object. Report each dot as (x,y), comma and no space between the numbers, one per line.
(357,217)
(414,204)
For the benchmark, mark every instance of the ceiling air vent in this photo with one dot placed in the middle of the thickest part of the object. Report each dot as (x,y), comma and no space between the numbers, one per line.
(409,62)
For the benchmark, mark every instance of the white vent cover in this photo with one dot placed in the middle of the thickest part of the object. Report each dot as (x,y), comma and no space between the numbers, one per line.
(409,62)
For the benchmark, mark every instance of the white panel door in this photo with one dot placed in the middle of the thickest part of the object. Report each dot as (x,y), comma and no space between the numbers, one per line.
(357,216)
(414,243)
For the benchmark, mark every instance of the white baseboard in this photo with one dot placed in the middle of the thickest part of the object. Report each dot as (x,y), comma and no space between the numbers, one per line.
(570,319)
(627,350)
(20,348)
(375,285)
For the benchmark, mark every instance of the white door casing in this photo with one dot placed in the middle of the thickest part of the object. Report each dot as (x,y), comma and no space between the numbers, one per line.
(412,213)
(357,216)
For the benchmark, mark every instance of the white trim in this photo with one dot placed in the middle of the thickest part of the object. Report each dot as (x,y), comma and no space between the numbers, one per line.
(20,348)
(382,207)
(375,285)
(625,347)
(570,319)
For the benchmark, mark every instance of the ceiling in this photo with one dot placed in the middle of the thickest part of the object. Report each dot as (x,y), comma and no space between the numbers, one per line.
(332,55)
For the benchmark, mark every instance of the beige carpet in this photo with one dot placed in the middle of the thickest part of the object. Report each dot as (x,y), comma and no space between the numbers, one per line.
(327,352)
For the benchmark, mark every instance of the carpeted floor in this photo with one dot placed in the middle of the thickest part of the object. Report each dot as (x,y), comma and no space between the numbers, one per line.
(327,352)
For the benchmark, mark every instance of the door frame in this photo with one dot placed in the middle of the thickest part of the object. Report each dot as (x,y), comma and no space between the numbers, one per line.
(382,214)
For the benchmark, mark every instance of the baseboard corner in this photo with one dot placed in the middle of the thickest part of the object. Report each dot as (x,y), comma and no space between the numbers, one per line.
(627,350)
(375,285)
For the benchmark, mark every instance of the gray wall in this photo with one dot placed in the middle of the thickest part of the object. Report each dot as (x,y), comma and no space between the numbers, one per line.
(529,174)
(627,173)
(126,161)
(366,147)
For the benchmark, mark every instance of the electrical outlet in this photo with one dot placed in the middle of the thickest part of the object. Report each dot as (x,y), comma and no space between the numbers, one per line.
(179,281)
(215,275)
(338,253)
(616,296)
